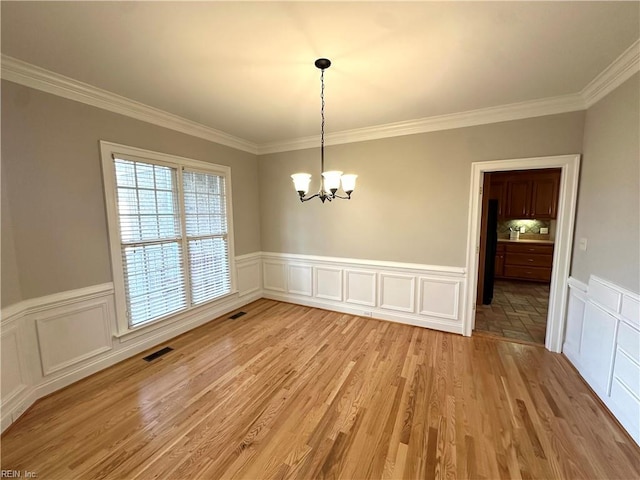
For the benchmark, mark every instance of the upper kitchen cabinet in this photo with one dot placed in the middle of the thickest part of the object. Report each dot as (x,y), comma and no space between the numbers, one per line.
(526,193)
(518,200)
(544,194)
(498,191)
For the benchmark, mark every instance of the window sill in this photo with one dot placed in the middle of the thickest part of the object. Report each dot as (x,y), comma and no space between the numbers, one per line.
(191,315)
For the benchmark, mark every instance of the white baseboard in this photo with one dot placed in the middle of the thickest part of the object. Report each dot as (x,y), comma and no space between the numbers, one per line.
(375,313)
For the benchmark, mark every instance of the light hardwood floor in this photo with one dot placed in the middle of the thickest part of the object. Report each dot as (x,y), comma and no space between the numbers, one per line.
(293,392)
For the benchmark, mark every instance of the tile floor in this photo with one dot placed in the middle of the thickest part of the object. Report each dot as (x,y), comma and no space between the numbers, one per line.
(518,311)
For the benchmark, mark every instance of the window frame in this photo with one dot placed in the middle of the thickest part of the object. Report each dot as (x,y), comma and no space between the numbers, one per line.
(109,151)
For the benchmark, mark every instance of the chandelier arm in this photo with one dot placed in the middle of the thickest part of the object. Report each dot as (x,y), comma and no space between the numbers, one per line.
(348,197)
(306,199)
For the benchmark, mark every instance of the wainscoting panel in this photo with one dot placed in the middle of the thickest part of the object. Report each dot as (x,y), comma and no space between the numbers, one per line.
(53,341)
(630,310)
(602,340)
(249,274)
(70,335)
(360,287)
(575,318)
(440,297)
(13,376)
(328,283)
(598,341)
(422,295)
(300,280)
(604,294)
(397,292)
(275,278)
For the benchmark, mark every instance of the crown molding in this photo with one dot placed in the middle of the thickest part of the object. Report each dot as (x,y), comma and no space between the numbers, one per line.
(502,113)
(609,79)
(613,76)
(32,76)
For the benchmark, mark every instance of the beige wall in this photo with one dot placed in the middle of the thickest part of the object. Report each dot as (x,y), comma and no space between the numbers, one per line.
(411,204)
(51,167)
(412,200)
(9,282)
(609,195)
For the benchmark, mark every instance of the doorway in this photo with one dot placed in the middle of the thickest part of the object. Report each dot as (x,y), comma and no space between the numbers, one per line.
(517,232)
(561,256)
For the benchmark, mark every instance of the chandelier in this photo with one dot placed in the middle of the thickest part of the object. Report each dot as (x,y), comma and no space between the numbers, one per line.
(333,178)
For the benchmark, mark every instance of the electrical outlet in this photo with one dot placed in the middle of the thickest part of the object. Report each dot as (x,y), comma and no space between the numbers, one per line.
(366,314)
(523,229)
(544,230)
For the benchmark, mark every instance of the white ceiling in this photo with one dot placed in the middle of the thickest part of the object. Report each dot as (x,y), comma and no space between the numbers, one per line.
(246,68)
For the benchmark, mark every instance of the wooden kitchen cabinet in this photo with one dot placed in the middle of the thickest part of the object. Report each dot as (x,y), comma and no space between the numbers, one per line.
(544,195)
(526,193)
(499,263)
(498,191)
(518,200)
(528,261)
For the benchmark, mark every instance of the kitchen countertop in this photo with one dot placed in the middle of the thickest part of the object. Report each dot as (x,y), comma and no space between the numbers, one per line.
(545,242)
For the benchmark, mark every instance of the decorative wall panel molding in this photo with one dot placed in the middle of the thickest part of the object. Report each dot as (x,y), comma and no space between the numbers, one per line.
(13,378)
(602,340)
(275,277)
(360,287)
(575,318)
(249,274)
(422,295)
(440,297)
(397,292)
(70,335)
(300,279)
(53,341)
(328,281)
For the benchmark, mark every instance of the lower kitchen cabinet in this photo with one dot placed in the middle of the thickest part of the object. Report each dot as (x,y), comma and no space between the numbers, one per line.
(499,264)
(524,261)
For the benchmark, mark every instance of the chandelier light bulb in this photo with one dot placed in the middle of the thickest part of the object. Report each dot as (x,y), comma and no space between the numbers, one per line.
(331,180)
(301,182)
(349,182)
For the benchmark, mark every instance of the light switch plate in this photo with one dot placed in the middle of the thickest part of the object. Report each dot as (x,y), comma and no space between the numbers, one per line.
(583,244)
(523,229)
(544,231)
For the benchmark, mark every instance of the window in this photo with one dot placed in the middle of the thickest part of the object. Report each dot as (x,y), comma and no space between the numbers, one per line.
(169,232)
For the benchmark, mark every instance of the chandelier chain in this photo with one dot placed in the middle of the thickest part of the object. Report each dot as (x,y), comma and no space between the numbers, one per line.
(322,123)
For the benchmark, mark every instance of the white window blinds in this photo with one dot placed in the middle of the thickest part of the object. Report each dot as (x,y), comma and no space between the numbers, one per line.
(173,233)
(206,230)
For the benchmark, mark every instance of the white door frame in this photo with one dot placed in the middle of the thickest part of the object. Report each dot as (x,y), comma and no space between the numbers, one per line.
(567,202)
